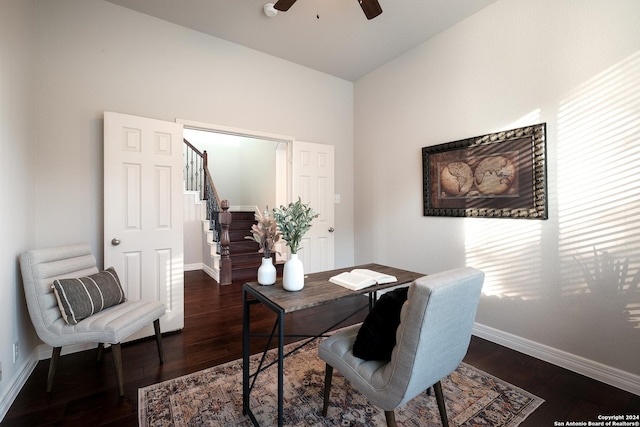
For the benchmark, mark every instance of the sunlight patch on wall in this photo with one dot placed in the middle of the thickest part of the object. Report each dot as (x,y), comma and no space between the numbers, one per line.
(505,249)
(508,251)
(634,314)
(598,159)
(528,119)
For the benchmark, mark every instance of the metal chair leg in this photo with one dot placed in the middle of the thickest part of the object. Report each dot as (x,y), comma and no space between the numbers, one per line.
(156,327)
(328,375)
(441,407)
(55,356)
(117,361)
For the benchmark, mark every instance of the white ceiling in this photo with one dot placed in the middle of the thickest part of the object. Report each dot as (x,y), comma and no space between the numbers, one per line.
(342,42)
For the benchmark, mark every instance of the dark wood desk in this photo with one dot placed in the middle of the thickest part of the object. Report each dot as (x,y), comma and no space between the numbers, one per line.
(317,291)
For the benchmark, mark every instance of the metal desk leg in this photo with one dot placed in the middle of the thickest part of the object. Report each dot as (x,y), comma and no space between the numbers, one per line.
(245,353)
(280,368)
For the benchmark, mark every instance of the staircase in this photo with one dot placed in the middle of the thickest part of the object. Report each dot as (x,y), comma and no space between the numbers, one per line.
(245,258)
(242,254)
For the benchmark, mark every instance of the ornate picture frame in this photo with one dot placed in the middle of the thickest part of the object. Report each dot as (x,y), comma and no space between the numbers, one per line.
(498,175)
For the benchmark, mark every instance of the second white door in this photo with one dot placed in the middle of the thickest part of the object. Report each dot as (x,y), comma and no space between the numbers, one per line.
(313,182)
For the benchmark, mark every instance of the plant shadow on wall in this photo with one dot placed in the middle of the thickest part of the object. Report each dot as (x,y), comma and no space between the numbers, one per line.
(610,277)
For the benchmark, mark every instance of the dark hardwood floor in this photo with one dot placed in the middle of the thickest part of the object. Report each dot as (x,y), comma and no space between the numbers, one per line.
(85,392)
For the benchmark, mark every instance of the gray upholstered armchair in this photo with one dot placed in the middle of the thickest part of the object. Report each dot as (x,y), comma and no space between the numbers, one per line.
(431,341)
(41,267)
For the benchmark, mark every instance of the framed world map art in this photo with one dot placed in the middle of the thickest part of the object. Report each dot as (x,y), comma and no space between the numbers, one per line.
(499,175)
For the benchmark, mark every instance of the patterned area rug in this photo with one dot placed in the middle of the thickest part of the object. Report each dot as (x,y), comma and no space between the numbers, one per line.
(213,397)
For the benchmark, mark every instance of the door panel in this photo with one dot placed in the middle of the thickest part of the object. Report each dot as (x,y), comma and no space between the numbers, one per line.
(143,225)
(313,182)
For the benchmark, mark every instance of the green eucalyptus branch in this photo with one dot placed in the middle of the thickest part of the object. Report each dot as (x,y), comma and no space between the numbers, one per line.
(293,222)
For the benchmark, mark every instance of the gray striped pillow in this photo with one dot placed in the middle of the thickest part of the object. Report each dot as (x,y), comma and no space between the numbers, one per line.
(79,298)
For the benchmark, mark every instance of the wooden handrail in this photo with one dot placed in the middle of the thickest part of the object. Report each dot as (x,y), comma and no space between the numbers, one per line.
(192,147)
(207,175)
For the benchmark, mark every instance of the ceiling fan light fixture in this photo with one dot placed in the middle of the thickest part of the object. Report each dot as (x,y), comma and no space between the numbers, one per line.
(269,10)
(371,8)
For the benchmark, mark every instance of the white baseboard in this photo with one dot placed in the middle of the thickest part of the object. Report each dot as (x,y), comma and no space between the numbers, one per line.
(16,384)
(192,267)
(596,370)
(215,274)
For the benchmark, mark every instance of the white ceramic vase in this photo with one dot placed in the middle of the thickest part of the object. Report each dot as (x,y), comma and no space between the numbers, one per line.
(267,272)
(293,274)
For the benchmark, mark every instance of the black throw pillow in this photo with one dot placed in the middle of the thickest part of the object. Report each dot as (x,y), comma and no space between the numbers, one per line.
(377,335)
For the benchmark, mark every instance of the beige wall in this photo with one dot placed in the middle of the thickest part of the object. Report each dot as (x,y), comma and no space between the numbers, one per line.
(16,186)
(573,64)
(95,56)
(65,62)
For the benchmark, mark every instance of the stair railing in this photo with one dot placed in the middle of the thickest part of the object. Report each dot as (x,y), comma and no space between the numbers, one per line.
(214,205)
(198,178)
(195,164)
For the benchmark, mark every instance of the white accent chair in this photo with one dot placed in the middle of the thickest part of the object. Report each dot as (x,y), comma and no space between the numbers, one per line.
(40,267)
(431,341)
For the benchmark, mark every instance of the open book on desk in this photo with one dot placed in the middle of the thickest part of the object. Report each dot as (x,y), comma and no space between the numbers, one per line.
(361,278)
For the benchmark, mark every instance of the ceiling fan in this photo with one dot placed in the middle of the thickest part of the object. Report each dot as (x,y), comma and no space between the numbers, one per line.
(371,8)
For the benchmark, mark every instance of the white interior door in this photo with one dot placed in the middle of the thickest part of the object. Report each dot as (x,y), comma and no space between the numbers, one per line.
(143,211)
(313,181)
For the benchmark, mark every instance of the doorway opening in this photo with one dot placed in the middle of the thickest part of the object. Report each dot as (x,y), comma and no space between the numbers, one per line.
(251,170)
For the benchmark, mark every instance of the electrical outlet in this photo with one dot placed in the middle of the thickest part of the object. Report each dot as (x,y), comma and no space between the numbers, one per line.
(16,351)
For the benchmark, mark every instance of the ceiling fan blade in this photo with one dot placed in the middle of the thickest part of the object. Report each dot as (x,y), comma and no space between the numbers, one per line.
(283,5)
(371,8)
